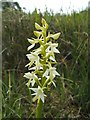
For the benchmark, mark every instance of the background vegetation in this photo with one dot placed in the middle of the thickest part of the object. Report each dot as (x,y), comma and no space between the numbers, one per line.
(71,97)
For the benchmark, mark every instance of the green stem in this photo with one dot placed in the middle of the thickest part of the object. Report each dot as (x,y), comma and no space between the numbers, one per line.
(39,109)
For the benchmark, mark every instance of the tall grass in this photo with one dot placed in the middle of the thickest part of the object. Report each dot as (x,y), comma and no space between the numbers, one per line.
(16,103)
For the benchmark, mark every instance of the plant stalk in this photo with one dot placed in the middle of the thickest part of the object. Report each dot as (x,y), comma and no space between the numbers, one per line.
(39,109)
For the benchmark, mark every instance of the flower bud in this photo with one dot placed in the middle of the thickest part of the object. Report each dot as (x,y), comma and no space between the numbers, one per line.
(56,36)
(43,21)
(37,34)
(37,26)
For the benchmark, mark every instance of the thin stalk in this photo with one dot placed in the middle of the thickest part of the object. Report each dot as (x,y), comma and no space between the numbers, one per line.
(9,84)
(39,109)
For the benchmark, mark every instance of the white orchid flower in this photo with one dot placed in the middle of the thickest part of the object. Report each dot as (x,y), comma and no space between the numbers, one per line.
(52,48)
(33,42)
(39,94)
(31,77)
(33,58)
(51,73)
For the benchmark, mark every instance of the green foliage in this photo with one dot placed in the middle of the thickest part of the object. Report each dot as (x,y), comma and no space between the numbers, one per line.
(14,98)
(72,92)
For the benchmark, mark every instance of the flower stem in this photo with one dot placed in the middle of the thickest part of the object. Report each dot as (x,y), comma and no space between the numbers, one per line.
(39,109)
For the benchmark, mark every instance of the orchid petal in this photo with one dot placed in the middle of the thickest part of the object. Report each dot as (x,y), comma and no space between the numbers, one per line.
(30,47)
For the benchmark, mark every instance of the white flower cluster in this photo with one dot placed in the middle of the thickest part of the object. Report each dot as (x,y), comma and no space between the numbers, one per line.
(42,59)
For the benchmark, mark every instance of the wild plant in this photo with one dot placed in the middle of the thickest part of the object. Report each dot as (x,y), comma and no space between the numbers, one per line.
(42,71)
